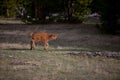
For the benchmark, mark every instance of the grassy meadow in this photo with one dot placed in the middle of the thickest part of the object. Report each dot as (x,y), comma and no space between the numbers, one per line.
(17,62)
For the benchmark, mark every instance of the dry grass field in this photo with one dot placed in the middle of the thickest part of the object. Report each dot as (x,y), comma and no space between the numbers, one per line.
(62,61)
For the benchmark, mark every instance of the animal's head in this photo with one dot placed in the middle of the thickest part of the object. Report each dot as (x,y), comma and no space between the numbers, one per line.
(53,36)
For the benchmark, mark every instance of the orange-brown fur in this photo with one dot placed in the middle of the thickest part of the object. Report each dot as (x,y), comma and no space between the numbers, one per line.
(41,37)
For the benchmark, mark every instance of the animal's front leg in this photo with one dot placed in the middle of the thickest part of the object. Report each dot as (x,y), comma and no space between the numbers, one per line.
(46,45)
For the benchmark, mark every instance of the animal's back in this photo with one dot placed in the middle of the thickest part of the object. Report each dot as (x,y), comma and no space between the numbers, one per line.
(39,36)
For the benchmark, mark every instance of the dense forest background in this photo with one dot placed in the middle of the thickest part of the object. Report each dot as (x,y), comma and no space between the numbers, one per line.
(72,11)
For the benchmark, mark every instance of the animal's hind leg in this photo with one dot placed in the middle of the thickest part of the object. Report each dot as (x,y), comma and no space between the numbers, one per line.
(32,44)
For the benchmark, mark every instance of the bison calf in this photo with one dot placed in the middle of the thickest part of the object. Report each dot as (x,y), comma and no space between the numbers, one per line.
(42,37)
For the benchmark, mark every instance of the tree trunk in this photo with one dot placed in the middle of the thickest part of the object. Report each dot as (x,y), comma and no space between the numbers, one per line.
(7,11)
(68,5)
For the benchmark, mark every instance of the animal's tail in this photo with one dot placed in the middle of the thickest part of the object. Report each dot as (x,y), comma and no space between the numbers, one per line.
(32,33)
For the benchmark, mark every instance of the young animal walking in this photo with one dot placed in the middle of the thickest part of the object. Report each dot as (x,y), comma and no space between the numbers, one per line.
(42,37)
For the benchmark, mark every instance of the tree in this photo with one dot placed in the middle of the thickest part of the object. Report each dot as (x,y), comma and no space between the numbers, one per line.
(68,9)
(77,8)
(44,7)
(23,8)
(71,10)
(8,8)
(110,14)
(39,9)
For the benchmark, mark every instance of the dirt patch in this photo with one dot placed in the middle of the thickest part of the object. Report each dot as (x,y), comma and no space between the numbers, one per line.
(24,65)
(34,63)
